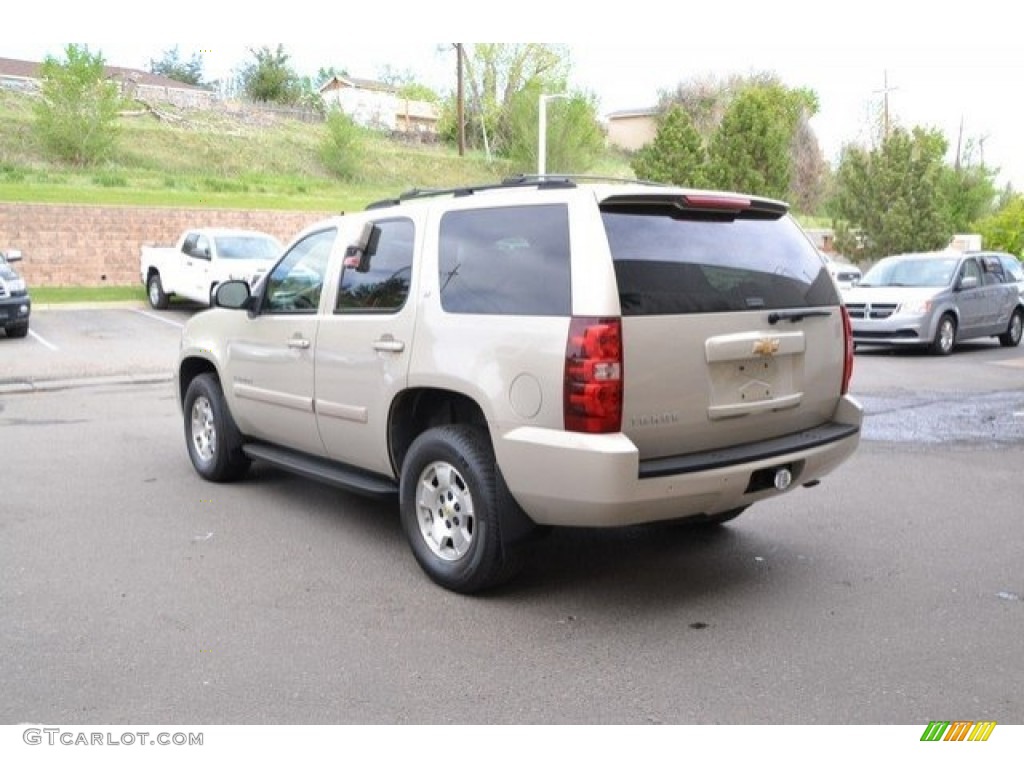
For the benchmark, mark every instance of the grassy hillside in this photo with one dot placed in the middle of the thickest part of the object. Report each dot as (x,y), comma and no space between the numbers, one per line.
(229,159)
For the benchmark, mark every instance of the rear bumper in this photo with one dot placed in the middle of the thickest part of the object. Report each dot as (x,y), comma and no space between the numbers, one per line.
(563,478)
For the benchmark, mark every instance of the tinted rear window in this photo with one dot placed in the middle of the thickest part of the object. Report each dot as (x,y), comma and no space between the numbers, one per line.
(668,265)
(510,261)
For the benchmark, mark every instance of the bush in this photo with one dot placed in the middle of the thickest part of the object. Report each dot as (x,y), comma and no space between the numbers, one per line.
(341,150)
(76,118)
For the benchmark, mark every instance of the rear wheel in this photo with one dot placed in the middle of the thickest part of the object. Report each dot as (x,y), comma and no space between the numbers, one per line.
(214,442)
(945,336)
(1011,338)
(451,509)
(155,291)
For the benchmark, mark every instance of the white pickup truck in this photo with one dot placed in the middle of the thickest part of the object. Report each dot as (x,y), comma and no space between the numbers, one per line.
(202,259)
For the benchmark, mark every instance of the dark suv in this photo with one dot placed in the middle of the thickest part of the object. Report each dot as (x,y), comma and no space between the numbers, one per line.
(15,304)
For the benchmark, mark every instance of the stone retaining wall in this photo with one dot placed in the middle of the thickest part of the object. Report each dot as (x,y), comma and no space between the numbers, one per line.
(99,245)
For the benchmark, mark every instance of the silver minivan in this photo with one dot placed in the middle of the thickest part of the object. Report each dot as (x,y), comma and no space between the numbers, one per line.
(935,300)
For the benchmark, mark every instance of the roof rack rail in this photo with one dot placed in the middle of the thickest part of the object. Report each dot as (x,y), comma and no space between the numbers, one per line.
(546,181)
(418,194)
(566,178)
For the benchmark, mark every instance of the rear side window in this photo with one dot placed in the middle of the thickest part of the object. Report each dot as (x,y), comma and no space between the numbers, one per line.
(667,263)
(507,261)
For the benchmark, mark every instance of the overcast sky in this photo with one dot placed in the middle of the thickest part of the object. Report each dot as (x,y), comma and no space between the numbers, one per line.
(943,66)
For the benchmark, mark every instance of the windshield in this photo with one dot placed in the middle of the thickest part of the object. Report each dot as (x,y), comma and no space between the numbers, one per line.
(248,247)
(915,273)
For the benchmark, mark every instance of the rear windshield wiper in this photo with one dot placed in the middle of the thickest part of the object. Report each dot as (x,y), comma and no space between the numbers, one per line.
(796,315)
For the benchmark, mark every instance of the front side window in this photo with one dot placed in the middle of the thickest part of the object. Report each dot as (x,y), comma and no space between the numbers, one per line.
(384,285)
(509,261)
(295,284)
(1013,269)
(971,269)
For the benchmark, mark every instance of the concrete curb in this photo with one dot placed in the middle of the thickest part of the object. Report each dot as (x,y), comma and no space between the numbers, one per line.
(129,304)
(25,386)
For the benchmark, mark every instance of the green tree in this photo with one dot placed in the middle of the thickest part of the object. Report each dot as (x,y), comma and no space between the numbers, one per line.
(1004,230)
(76,116)
(750,150)
(172,66)
(677,154)
(889,196)
(341,150)
(495,74)
(787,110)
(967,191)
(270,78)
(574,138)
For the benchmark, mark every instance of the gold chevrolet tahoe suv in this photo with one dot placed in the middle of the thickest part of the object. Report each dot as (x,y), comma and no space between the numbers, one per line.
(539,352)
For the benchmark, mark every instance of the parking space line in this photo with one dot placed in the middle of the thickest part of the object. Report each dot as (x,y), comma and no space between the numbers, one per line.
(157,317)
(44,342)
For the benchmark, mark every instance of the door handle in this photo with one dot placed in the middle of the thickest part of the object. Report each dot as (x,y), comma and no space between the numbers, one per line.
(388,343)
(298,343)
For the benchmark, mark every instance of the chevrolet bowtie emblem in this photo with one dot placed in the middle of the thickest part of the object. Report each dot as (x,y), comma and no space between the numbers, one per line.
(766,347)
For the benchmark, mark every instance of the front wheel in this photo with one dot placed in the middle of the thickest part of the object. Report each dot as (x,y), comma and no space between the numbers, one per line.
(214,442)
(945,336)
(155,291)
(451,509)
(17,331)
(1011,338)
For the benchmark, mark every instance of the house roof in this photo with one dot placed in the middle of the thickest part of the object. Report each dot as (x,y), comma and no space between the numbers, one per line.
(357,82)
(641,112)
(29,70)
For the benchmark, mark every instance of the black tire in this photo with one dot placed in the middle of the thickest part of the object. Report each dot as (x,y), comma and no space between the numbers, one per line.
(945,336)
(452,509)
(214,442)
(19,331)
(1011,338)
(155,292)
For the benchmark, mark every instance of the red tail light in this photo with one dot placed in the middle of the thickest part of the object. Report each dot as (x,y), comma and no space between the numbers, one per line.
(848,360)
(593,375)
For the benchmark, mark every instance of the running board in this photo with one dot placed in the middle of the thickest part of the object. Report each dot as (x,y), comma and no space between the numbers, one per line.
(315,468)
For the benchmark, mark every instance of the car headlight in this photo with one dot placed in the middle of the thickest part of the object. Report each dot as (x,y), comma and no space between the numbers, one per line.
(17,285)
(920,307)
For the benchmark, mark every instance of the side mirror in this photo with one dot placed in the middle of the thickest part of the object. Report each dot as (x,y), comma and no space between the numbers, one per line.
(12,255)
(233,294)
(967,282)
(357,255)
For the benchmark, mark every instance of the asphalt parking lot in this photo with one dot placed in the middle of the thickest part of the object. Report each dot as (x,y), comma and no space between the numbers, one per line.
(133,592)
(65,344)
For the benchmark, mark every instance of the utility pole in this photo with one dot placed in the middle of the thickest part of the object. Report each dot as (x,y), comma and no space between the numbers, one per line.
(959,144)
(885,102)
(460,102)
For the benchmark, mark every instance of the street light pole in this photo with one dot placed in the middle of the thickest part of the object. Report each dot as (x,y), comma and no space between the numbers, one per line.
(542,129)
